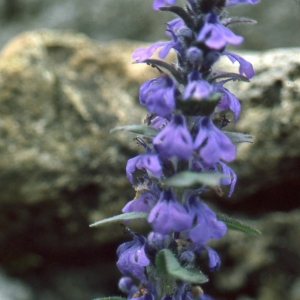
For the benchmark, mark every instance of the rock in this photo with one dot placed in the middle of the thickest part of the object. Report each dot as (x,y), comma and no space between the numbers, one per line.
(268,169)
(262,267)
(61,169)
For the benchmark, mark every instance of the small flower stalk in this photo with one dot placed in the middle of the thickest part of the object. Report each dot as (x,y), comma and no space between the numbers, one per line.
(187,151)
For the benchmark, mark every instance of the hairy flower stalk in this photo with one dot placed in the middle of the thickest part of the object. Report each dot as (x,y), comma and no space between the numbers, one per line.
(186,152)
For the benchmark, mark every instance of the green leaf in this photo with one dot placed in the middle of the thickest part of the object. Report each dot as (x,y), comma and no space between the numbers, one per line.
(137,129)
(237,225)
(122,217)
(167,264)
(187,178)
(238,137)
(111,298)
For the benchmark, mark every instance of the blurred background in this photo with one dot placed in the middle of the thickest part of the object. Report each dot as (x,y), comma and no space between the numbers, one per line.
(60,170)
(278,21)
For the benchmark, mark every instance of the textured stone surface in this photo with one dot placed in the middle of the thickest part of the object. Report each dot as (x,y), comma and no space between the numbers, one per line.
(60,95)
(268,170)
(262,267)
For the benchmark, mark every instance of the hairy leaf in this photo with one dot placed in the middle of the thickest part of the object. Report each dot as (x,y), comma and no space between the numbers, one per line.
(122,217)
(187,179)
(137,129)
(238,137)
(167,265)
(234,224)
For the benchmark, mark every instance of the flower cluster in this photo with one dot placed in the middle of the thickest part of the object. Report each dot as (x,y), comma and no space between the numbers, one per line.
(185,147)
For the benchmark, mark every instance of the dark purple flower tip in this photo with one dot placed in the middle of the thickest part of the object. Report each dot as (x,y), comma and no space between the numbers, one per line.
(228,101)
(127,286)
(158,95)
(143,203)
(207,225)
(226,181)
(187,256)
(147,161)
(214,259)
(132,257)
(158,241)
(236,2)
(212,143)
(195,56)
(158,3)
(197,87)
(175,139)
(169,215)
(245,68)
(215,35)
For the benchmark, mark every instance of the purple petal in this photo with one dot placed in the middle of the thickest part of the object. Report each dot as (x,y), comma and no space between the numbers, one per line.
(236,2)
(197,87)
(175,139)
(215,35)
(213,144)
(226,181)
(214,259)
(169,215)
(141,54)
(207,225)
(144,203)
(150,162)
(132,257)
(245,68)
(158,3)
(158,95)
(228,100)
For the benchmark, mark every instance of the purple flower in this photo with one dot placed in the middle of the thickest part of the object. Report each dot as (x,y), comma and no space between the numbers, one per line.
(215,35)
(214,259)
(158,3)
(143,203)
(228,100)
(147,161)
(207,226)
(212,143)
(132,257)
(127,286)
(174,139)
(236,2)
(169,215)
(158,95)
(194,56)
(226,181)
(158,122)
(158,241)
(245,68)
(141,54)
(197,87)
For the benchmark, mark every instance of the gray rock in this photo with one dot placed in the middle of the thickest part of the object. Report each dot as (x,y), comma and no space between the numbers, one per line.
(262,267)
(61,93)
(268,169)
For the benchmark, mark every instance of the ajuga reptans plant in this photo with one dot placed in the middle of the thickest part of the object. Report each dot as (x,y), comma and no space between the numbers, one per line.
(186,152)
